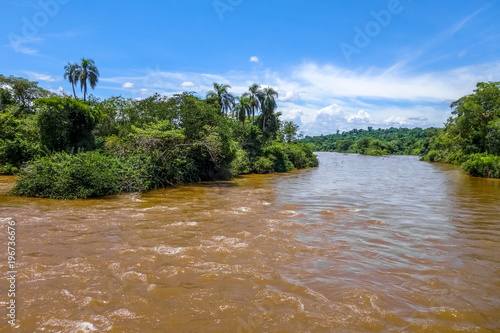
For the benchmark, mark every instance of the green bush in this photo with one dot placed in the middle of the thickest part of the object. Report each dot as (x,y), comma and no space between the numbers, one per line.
(276,153)
(65,176)
(263,165)
(9,169)
(375,152)
(434,156)
(301,155)
(297,155)
(482,165)
(241,163)
(136,174)
(18,151)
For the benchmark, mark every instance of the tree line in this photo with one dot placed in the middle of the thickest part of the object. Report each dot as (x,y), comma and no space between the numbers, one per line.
(64,147)
(375,142)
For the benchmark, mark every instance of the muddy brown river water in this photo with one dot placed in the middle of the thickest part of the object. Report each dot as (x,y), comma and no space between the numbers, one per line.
(360,244)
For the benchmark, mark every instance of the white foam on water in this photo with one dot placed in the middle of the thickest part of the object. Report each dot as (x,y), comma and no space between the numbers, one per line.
(132,275)
(189,224)
(69,326)
(168,250)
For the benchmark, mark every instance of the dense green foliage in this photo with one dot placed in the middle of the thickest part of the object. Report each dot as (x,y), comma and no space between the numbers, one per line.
(65,148)
(69,176)
(19,133)
(471,137)
(397,141)
(65,123)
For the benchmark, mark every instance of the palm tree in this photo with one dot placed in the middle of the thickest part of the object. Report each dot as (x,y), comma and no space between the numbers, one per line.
(72,73)
(268,104)
(253,94)
(243,108)
(88,72)
(226,100)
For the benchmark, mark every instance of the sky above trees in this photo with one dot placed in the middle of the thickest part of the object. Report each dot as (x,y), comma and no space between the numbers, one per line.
(335,64)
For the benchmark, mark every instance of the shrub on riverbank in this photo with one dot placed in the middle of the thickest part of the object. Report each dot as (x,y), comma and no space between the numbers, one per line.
(482,165)
(65,176)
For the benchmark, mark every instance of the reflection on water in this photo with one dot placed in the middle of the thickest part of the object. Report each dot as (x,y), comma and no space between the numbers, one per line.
(359,244)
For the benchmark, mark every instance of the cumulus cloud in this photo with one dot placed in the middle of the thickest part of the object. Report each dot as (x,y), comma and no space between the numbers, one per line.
(360,116)
(128,85)
(288,96)
(187,84)
(254,59)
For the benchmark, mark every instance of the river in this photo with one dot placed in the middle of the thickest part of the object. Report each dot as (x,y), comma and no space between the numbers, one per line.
(360,244)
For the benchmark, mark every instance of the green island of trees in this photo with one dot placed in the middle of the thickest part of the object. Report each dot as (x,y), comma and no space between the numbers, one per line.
(65,148)
(470,138)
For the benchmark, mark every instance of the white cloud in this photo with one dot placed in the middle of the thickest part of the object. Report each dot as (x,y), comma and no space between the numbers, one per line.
(40,77)
(361,115)
(187,84)
(289,96)
(128,85)
(331,81)
(254,59)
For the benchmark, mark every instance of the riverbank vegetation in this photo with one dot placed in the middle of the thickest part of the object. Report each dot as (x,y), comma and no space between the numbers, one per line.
(62,147)
(471,137)
(374,142)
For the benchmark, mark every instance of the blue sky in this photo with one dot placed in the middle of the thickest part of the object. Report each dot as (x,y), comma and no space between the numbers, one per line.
(336,64)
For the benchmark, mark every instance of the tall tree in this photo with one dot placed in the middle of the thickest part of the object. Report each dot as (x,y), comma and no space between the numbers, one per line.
(88,73)
(226,99)
(72,73)
(243,108)
(253,94)
(267,104)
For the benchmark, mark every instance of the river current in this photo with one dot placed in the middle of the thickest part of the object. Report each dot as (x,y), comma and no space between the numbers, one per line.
(360,244)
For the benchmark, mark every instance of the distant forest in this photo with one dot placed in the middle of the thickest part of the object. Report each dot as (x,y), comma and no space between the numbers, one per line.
(375,142)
